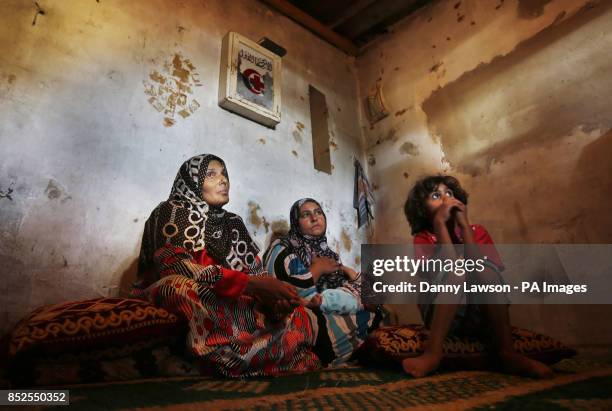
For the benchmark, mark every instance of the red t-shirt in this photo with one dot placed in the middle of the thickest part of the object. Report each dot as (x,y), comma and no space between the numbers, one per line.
(425,242)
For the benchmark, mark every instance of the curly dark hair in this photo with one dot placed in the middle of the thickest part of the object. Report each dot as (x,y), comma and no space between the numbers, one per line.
(414,208)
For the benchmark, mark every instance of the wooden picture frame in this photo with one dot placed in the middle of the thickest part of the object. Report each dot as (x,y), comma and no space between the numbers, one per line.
(250,80)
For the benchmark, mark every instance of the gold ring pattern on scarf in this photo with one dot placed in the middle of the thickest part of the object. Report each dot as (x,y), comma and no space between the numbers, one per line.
(168,233)
(195,218)
(192,232)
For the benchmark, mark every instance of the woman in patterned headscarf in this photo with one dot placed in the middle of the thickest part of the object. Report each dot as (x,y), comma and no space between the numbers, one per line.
(198,260)
(303,258)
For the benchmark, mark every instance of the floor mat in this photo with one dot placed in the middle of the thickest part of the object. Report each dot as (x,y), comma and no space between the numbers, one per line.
(578,384)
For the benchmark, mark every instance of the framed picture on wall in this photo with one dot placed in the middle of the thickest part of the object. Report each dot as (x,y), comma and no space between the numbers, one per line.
(250,80)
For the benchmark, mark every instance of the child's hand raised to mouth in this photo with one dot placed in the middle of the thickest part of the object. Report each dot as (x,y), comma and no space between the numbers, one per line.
(450,207)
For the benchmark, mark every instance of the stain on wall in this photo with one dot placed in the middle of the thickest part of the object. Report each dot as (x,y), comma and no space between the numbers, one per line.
(371,160)
(409,148)
(171,89)
(297,136)
(7,193)
(435,67)
(531,9)
(347,243)
(390,136)
(38,12)
(278,229)
(53,191)
(297,133)
(255,219)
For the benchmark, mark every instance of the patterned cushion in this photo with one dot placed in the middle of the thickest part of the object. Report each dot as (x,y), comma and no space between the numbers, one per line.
(144,359)
(91,324)
(389,345)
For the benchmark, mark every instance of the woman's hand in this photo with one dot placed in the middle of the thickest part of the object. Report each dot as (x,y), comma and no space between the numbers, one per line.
(283,308)
(350,273)
(277,298)
(269,290)
(322,265)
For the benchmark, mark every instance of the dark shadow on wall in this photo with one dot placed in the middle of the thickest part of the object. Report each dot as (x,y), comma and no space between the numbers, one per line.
(591,180)
(127,278)
(471,142)
(15,282)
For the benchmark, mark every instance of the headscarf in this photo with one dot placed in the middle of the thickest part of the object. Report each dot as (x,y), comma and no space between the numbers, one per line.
(305,245)
(186,220)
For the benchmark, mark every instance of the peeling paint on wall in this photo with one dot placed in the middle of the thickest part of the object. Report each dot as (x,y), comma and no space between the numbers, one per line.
(7,193)
(255,219)
(55,191)
(39,11)
(390,136)
(347,243)
(371,160)
(335,245)
(435,67)
(280,227)
(297,136)
(170,91)
(409,148)
(531,9)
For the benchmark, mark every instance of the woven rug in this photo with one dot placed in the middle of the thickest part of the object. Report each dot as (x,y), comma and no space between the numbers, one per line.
(577,385)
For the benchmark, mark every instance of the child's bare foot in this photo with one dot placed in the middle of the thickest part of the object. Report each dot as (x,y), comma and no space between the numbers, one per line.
(516,363)
(422,365)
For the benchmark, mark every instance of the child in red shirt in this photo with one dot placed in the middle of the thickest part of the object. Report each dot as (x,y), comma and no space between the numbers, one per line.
(436,209)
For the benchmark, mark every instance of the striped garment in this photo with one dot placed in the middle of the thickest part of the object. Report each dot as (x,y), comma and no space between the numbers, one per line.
(345,332)
(230,336)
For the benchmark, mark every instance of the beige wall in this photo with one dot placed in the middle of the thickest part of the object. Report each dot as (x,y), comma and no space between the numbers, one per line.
(88,157)
(513,98)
